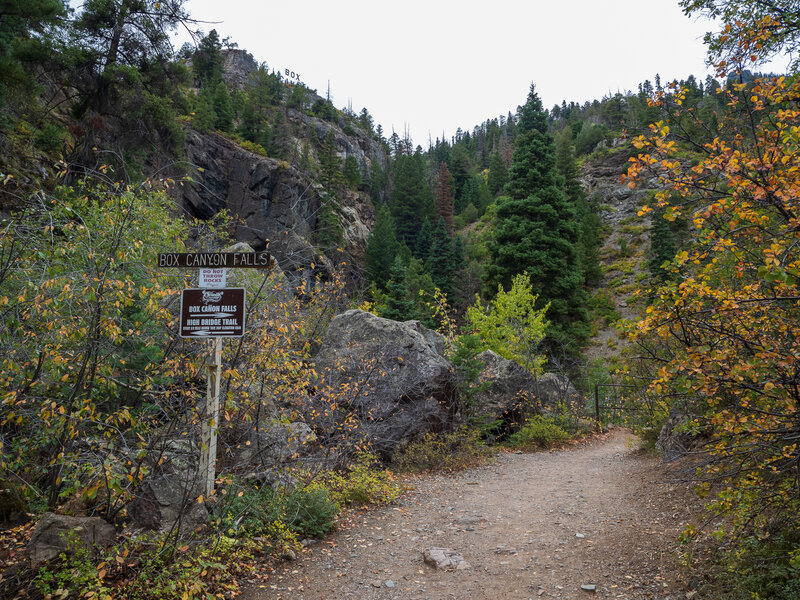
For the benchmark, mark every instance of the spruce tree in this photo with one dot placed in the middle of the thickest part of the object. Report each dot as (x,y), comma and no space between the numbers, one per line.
(444,197)
(330,166)
(535,229)
(207,60)
(329,229)
(589,224)
(204,115)
(223,108)
(440,262)
(351,172)
(424,241)
(382,248)
(411,198)
(498,174)
(399,306)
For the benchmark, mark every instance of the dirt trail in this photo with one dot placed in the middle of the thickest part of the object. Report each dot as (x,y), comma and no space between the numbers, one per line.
(530,526)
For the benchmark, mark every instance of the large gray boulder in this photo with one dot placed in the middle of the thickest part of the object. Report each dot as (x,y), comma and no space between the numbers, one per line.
(506,394)
(510,393)
(387,373)
(55,534)
(169,500)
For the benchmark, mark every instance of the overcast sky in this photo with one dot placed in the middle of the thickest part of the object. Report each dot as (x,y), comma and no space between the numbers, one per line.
(435,65)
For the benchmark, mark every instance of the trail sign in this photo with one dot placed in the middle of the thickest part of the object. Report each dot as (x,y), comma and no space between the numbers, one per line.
(217,260)
(208,313)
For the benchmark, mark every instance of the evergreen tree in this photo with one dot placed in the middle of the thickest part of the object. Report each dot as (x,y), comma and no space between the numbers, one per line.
(223,108)
(422,251)
(589,224)
(351,172)
(498,174)
(535,229)
(207,60)
(440,262)
(329,230)
(330,166)
(444,198)
(663,245)
(474,192)
(133,33)
(204,115)
(381,249)
(23,39)
(411,198)
(399,306)
(421,290)
(459,166)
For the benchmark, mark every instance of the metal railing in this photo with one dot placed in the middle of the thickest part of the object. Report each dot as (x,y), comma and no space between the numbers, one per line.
(598,406)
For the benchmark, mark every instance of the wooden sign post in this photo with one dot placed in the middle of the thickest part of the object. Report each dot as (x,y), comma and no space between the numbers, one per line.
(213,311)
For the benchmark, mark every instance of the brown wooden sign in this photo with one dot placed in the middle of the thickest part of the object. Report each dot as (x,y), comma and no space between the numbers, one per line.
(217,260)
(209,313)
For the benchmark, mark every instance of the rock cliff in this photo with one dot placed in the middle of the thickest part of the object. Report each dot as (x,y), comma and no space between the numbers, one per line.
(275,201)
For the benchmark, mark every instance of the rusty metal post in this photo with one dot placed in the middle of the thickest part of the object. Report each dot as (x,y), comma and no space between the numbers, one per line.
(597,406)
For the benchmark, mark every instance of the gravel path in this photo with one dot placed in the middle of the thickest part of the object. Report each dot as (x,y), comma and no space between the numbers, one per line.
(536,525)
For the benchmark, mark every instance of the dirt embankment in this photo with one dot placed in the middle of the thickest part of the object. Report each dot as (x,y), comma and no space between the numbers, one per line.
(529,526)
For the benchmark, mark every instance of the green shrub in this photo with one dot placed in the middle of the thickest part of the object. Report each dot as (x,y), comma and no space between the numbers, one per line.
(363,483)
(50,138)
(249,511)
(539,432)
(309,511)
(766,565)
(443,452)
(71,574)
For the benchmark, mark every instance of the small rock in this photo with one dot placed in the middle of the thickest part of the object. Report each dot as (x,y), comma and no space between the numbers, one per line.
(288,555)
(389,583)
(377,584)
(591,588)
(580,536)
(444,559)
(690,595)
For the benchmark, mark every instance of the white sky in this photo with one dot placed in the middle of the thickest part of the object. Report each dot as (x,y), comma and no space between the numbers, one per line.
(436,65)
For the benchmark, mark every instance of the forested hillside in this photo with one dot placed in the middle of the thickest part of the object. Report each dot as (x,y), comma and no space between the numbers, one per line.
(428,301)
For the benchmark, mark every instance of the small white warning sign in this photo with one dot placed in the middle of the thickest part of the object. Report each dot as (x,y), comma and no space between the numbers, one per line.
(212,278)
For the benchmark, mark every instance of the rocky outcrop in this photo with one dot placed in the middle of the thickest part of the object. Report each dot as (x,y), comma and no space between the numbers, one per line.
(237,67)
(389,375)
(276,205)
(275,202)
(55,534)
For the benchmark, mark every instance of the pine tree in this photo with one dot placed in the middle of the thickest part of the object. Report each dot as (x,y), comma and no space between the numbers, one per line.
(330,166)
(381,249)
(223,108)
(440,262)
(411,198)
(329,230)
(351,172)
(422,251)
(589,224)
(24,39)
(399,306)
(421,291)
(535,229)
(204,115)
(207,60)
(444,198)
(498,174)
